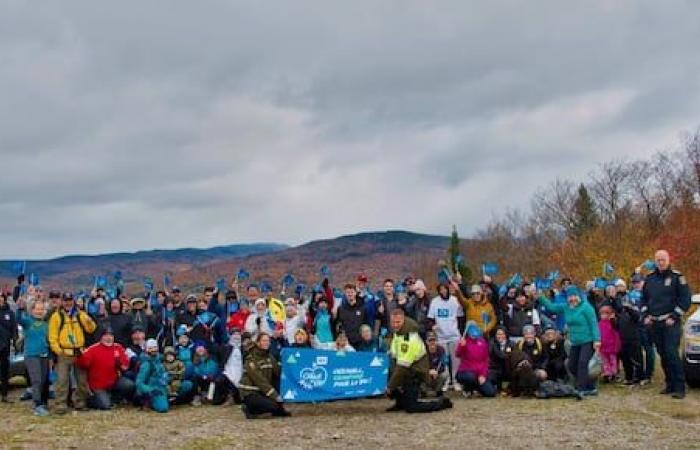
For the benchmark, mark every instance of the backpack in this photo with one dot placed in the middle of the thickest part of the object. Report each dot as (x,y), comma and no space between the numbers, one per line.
(554,389)
(62,322)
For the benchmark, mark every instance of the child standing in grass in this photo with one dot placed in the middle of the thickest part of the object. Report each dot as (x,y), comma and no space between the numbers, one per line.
(36,352)
(610,343)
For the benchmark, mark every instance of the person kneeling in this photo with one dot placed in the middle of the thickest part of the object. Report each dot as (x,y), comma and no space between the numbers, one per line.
(473,353)
(261,370)
(104,362)
(411,368)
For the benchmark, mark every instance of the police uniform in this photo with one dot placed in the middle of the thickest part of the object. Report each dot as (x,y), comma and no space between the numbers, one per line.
(665,295)
(410,370)
(257,389)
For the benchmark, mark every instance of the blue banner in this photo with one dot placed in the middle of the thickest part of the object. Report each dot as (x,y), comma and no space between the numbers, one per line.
(489,269)
(310,375)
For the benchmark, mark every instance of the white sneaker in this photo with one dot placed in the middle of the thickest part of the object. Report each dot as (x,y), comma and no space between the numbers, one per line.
(457,387)
(446,387)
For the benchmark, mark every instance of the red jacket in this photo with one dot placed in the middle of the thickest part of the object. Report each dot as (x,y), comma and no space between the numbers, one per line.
(102,363)
(237,320)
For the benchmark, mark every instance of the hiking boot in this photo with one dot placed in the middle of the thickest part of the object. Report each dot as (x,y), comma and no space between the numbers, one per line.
(40,411)
(665,391)
(458,387)
(446,403)
(26,396)
(678,395)
(644,382)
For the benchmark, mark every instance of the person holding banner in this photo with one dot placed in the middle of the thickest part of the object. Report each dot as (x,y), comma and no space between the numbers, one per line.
(411,369)
(257,385)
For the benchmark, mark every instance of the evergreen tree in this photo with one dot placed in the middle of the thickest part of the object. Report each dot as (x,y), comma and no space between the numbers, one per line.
(452,253)
(584,214)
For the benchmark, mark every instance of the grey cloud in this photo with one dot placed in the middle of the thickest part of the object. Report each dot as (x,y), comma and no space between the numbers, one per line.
(164,124)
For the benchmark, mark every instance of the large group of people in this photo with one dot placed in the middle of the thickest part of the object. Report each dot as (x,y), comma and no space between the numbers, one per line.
(165,348)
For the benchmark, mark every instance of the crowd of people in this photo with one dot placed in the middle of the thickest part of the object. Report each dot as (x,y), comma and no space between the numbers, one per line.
(156,351)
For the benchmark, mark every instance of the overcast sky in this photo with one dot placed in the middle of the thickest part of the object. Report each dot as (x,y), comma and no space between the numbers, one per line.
(182,123)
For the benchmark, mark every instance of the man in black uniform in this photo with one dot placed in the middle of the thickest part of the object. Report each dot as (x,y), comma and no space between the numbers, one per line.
(665,298)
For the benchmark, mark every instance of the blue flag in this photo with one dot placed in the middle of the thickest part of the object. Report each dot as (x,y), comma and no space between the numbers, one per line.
(608,268)
(265,287)
(300,289)
(166,282)
(489,269)
(100,282)
(310,375)
(34,279)
(148,284)
(242,274)
(543,283)
(221,284)
(459,261)
(515,280)
(288,280)
(554,275)
(444,276)
(118,275)
(601,283)
(649,265)
(19,267)
(325,272)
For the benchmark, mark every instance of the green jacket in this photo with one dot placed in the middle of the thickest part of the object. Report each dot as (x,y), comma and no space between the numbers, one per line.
(408,351)
(581,321)
(259,371)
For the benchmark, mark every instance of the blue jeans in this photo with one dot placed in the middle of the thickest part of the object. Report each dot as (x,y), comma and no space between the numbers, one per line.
(667,340)
(470,382)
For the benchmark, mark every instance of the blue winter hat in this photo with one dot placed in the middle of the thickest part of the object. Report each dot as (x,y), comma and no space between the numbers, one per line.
(181,330)
(572,290)
(473,330)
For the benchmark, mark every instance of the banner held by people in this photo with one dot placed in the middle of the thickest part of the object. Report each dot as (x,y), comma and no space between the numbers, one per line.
(318,375)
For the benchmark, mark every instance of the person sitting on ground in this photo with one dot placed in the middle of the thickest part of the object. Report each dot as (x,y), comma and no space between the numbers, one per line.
(152,380)
(177,385)
(532,347)
(104,363)
(499,348)
(411,368)
(473,354)
(439,360)
(257,385)
(553,347)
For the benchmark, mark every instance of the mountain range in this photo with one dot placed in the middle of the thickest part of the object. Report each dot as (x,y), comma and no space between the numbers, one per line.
(379,255)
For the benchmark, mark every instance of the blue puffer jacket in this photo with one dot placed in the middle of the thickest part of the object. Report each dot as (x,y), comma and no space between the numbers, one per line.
(206,367)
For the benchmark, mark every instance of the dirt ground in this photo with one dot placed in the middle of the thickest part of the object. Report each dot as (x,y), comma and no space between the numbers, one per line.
(619,417)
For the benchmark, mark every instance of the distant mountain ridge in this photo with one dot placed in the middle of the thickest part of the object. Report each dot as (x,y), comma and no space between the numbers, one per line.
(378,254)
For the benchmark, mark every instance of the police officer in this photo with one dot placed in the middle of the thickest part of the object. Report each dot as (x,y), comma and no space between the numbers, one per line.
(411,367)
(665,298)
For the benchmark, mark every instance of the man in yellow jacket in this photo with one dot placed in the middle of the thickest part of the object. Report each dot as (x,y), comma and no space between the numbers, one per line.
(411,368)
(67,328)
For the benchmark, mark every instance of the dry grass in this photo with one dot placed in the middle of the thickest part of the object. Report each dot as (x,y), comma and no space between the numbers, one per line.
(619,417)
